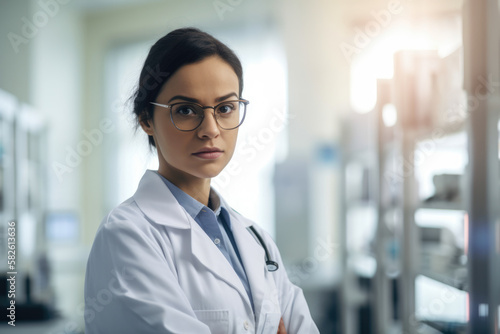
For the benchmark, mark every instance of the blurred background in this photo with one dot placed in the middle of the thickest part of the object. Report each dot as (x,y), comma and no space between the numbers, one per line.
(370,151)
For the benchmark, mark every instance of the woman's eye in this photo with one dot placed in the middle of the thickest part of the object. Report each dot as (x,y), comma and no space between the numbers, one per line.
(226,109)
(185,111)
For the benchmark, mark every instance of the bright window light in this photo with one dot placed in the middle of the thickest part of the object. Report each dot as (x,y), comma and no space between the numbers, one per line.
(389,114)
(376,60)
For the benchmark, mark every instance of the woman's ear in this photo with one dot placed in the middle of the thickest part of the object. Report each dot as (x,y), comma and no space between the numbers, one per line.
(147,124)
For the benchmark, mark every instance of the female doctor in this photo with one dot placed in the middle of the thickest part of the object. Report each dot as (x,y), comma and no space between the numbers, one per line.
(175,258)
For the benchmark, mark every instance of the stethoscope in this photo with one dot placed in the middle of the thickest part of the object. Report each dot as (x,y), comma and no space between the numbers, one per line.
(271,265)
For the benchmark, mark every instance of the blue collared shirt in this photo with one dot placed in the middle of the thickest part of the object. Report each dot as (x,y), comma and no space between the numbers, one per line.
(216,224)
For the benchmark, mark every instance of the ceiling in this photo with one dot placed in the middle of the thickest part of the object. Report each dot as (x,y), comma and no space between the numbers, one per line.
(97,5)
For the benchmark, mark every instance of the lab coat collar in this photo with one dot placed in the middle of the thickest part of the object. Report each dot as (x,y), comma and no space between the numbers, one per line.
(192,206)
(155,199)
(157,202)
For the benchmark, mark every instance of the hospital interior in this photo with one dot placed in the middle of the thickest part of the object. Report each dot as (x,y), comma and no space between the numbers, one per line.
(369,152)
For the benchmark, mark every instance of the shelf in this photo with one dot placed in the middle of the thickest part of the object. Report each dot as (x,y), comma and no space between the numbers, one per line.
(360,205)
(392,147)
(430,133)
(447,278)
(445,327)
(442,205)
(363,265)
(395,328)
(426,329)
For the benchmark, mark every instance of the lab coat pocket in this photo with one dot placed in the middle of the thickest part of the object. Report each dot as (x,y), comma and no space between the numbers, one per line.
(216,320)
(271,323)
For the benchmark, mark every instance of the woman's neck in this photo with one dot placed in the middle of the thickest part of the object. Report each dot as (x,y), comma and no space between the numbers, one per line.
(197,188)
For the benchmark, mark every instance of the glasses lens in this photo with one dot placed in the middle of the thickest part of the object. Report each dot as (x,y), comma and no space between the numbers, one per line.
(186,116)
(230,114)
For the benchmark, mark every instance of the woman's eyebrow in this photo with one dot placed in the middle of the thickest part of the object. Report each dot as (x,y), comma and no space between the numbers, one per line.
(181,97)
(190,99)
(222,98)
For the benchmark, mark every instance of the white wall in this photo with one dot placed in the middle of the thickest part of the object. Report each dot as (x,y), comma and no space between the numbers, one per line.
(57,75)
(56,79)
(15,65)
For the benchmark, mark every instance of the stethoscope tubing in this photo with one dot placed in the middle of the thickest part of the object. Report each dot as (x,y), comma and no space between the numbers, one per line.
(270,264)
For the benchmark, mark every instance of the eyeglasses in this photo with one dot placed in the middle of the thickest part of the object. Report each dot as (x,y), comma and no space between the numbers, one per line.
(188,116)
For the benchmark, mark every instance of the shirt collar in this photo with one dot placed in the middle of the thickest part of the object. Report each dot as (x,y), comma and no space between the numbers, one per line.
(214,199)
(220,206)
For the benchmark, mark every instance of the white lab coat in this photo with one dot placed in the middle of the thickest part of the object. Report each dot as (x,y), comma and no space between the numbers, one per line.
(152,269)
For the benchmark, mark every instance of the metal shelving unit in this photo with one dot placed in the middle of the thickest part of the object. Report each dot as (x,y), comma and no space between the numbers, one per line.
(23,200)
(482,42)
(434,256)
(372,260)
(8,105)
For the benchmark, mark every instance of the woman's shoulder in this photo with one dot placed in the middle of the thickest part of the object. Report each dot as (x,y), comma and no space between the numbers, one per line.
(125,210)
(126,215)
(126,225)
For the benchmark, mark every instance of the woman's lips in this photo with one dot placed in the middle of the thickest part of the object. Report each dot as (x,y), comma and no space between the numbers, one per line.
(208,154)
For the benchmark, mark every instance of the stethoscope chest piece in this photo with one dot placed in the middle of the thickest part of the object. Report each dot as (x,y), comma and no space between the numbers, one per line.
(270,264)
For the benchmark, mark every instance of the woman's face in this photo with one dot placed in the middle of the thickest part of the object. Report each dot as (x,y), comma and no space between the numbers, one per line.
(208,82)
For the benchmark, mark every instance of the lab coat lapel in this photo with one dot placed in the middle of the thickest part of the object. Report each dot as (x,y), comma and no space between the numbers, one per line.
(212,258)
(253,257)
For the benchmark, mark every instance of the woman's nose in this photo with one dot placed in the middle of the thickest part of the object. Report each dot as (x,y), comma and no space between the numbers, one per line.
(209,127)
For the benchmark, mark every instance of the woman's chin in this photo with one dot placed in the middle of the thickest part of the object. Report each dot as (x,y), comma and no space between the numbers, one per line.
(209,174)
(210,170)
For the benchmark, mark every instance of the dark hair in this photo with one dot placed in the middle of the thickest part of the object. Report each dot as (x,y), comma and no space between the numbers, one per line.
(174,50)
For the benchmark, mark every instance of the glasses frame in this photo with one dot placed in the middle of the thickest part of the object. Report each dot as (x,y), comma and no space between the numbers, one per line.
(169,106)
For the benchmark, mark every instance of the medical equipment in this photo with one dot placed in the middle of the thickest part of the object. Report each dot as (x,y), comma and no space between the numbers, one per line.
(271,265)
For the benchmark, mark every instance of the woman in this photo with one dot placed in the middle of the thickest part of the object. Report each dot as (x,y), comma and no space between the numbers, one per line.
(175,258)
